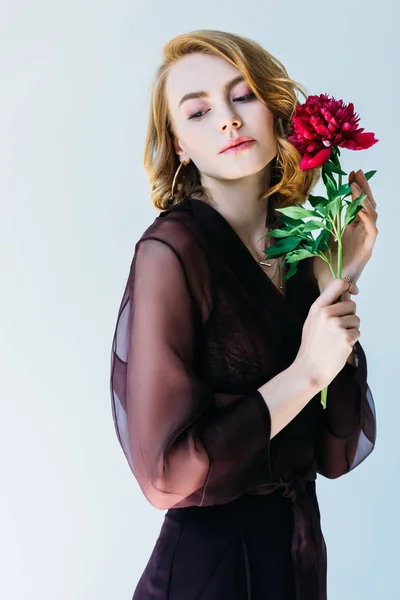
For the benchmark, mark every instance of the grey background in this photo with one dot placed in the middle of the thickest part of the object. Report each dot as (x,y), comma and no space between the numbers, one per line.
(74,93)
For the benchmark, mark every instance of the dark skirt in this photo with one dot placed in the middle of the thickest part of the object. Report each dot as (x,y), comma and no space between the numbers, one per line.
(235,551)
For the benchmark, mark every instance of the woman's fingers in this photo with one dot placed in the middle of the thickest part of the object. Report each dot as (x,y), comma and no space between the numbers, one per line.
(359,183)
(371,230)
(351,321)
(364,185)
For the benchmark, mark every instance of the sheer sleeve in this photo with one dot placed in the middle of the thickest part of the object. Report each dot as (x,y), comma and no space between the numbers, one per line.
(182,448)
(347,431)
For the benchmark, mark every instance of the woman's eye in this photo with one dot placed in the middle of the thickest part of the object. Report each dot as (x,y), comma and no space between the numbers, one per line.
(239,99)
(193,116)
(246,97)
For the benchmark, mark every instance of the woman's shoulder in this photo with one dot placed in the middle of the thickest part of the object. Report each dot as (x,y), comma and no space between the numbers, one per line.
(177,228)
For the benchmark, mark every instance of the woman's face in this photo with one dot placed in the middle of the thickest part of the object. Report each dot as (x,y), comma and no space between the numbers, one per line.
(203,124)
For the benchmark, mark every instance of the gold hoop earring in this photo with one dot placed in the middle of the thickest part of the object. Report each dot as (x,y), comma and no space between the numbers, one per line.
(183,163)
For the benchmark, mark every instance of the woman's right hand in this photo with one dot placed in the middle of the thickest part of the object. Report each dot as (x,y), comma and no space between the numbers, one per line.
(329,333)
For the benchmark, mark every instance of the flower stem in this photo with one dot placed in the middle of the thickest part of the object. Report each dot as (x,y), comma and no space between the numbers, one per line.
(338,234)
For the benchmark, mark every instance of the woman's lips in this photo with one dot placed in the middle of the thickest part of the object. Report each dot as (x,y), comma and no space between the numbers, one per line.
(238,147)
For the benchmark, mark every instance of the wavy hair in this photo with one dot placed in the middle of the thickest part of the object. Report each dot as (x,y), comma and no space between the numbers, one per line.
(270,82)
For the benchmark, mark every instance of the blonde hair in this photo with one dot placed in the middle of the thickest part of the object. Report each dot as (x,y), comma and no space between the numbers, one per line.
(267,78)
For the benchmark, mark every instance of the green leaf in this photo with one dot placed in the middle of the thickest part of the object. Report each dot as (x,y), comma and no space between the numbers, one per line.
(287,231)
(330,184)
(327,175)
(360,198)
(321,243)
(344,189)
(297,255)
(326,241)
(369,174)
(335,206)
(296,212)
(320,209)
(316,200)
(351,219)
(312,226)
(352,210)
(304,230)
(282,246)
(287,257)
(280,233)
(289,220)
(291,271)
(335,150)
(334,168)
(331,188)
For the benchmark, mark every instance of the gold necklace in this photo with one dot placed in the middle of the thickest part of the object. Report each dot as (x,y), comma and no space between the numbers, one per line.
(263,262)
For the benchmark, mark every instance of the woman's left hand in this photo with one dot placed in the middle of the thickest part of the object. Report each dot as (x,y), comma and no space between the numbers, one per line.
(358,239)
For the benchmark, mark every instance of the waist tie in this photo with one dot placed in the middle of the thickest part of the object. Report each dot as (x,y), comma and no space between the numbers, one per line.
(308,544)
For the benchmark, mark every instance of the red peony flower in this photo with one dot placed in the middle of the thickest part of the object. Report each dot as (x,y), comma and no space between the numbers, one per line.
(322,122)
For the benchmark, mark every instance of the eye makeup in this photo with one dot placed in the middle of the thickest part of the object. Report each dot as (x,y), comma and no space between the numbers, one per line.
(244,98)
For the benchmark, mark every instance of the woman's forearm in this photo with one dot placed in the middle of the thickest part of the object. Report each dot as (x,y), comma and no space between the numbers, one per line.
(287,394)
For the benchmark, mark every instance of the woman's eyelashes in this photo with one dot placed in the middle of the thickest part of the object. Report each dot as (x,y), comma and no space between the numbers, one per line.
(239,99)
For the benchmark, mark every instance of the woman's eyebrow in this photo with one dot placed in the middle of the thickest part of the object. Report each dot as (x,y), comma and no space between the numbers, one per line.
(202,94)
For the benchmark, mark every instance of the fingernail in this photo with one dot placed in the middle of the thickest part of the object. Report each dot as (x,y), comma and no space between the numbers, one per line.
(356,184)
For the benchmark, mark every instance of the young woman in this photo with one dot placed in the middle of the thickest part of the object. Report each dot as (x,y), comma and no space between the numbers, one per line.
(217,361)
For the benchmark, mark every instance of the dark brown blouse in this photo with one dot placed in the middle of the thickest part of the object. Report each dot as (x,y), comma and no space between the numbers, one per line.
(200,328)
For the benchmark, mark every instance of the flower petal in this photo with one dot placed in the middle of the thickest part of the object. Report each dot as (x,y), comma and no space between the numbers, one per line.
(311,162)
(359,141)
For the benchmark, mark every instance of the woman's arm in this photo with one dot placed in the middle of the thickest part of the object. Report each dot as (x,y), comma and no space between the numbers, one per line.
(287,394)
(182,447)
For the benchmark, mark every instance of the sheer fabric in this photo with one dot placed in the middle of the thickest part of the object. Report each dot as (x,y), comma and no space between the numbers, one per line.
(199,329)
